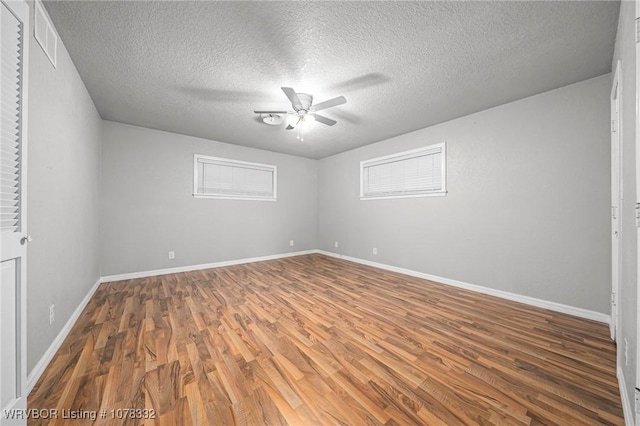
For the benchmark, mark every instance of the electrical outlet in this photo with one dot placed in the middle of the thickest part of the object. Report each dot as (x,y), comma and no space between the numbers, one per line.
(335,244)
(52,314)
(291,243)
(172,255)
(375,250)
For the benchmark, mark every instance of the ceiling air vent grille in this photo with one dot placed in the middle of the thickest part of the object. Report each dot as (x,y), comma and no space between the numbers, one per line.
(45,34)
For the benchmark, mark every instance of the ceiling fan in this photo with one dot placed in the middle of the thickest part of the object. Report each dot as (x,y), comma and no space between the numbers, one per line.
(304,112)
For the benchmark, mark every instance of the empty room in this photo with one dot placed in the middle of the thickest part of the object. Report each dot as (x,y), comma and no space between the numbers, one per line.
(319,212)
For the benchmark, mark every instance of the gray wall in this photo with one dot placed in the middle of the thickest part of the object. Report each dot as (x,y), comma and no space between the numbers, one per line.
(625,50)
(148,208)
(527,209)
(63,198)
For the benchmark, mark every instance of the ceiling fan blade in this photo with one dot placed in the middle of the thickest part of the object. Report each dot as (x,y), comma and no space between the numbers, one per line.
(330,103)
(289,127)
(270,112)
(324,120)
(293,97)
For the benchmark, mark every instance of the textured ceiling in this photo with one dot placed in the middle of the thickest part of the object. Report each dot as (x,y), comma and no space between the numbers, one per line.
(201,68)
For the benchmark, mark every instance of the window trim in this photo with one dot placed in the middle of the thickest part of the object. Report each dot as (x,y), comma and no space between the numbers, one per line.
(231,162)
(442,147)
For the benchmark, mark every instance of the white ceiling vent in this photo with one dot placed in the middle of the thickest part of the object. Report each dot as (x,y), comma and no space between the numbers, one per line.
(45,33)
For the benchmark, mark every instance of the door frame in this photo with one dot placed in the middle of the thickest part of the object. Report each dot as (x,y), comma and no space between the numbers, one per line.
(637,200)
(616,199)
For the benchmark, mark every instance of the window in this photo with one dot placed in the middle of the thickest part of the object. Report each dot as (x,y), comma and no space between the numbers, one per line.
(417,173)
(223,178)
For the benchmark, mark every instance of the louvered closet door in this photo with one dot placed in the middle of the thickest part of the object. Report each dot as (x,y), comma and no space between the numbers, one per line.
(14,36)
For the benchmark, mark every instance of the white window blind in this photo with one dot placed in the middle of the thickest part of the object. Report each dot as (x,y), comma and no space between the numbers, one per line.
(416,173)
(11,54)
(223,178)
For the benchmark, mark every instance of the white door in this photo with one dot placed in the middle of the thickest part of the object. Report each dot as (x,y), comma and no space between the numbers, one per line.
(615,199)
(14,30)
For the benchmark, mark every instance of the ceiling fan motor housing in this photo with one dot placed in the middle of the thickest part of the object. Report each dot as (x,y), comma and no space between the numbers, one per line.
(305,101)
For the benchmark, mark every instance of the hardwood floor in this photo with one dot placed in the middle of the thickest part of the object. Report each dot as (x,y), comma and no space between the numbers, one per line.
(317,340)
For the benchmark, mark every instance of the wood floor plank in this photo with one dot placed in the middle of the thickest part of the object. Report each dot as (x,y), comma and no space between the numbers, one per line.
(316,340)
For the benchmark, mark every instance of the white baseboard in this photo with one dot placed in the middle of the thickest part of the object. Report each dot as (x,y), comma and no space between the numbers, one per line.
(557,307)
(178,269)
(626,402)
(553,306)
(37,371)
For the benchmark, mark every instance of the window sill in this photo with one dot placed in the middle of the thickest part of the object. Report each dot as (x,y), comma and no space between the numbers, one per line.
(389,197)
(222,197)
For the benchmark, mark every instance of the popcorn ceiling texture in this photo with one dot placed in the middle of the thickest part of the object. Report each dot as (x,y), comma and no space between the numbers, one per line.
(201,68)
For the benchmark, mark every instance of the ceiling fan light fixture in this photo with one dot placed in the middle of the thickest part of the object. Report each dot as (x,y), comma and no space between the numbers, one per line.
(301,119)
(293,120)
(308,121)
